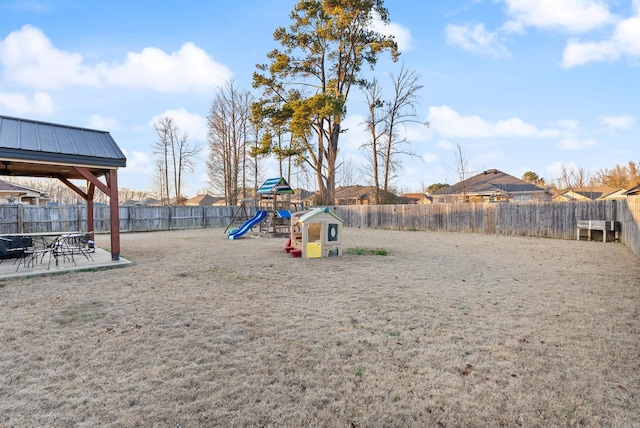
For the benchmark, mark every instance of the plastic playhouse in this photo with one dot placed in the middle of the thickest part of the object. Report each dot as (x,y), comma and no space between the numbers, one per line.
(315,234)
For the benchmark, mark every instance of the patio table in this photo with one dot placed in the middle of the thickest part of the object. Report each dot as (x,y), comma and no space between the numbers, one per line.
(36,245)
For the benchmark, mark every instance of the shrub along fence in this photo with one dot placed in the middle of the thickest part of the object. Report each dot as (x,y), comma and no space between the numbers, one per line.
(541,219)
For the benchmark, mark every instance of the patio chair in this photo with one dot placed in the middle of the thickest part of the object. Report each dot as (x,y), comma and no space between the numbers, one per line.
(70,245)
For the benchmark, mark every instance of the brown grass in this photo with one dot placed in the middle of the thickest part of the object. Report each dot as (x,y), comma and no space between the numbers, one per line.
(445,330)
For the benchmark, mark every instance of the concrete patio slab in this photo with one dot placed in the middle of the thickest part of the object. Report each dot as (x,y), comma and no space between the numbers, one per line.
(101,260)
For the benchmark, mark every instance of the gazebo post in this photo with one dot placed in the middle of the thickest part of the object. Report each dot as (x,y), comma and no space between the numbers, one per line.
(90,220)
(112,182)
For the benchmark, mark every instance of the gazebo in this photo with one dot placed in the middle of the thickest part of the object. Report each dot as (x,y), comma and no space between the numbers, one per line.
(31,148)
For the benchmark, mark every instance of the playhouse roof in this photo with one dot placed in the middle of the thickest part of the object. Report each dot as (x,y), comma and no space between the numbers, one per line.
(317,211)
(275,185)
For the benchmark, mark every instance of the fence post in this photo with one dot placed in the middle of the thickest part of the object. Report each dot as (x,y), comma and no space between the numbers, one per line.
(20,218)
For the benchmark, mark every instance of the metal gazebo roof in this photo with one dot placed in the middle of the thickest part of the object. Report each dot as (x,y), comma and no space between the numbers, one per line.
(42,149)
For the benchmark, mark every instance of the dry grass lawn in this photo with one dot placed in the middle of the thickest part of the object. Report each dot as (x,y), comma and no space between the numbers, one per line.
(447,330)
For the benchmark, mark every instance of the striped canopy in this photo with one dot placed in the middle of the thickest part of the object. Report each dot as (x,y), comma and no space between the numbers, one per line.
(275,185)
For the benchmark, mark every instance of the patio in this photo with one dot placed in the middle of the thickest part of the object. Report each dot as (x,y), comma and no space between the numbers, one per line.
(101,260)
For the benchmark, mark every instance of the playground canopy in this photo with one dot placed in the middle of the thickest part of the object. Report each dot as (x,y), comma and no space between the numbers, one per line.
(275,185)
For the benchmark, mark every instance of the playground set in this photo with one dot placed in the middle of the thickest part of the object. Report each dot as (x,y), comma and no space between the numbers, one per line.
(312,233)
(273,215)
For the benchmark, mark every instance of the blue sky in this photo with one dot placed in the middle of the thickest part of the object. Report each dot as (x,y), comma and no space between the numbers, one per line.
(520,85)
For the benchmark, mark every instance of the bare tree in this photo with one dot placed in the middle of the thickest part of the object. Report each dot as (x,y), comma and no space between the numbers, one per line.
(462,169)
(375,123)
(230,127)
(385,122)
(347,173)
(572,178)
(159,180)
(161,149)
(175,158)
(400,111)
(619,176)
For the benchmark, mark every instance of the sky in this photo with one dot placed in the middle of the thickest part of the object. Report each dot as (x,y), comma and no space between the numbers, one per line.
(518,85)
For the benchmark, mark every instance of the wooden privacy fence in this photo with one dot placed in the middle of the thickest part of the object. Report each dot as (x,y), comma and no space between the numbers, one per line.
(26,218)
(542,219)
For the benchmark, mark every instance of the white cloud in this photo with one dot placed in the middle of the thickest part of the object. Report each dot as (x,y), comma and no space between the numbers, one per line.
(449,123)
(579,53)
(625,41)
(401,34)
(513,27)
(103,123)
(430,158)
(574,16)
(446,144)
(25,53)
(138,162)
(624,121)
(20,104)
(568,126)
(193,124)
(576,143)
(190,69)
(29,6)
(415,133)
(476,39)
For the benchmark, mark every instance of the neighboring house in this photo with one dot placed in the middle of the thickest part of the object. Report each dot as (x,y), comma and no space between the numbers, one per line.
(417,198)
(202,200)
(361,195)
(616,195)
(633,191)
(11,193)
(149,202)
(491,186)
(590,193)
(173,201)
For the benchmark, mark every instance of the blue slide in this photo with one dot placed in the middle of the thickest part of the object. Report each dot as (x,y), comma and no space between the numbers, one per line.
(235,234)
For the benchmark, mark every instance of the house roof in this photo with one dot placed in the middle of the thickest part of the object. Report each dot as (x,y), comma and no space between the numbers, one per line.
(360,192)
(594,192)
(275,185)
(490,182)
(205,199)
(616,194)
(416,196)
(303,193)
(42,149)
(313,213)
(8,187)
(633,191)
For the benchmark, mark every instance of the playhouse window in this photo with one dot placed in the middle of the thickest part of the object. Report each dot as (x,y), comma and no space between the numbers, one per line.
(314,231)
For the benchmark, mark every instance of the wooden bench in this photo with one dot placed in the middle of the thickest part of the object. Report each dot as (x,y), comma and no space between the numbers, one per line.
(607,228)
